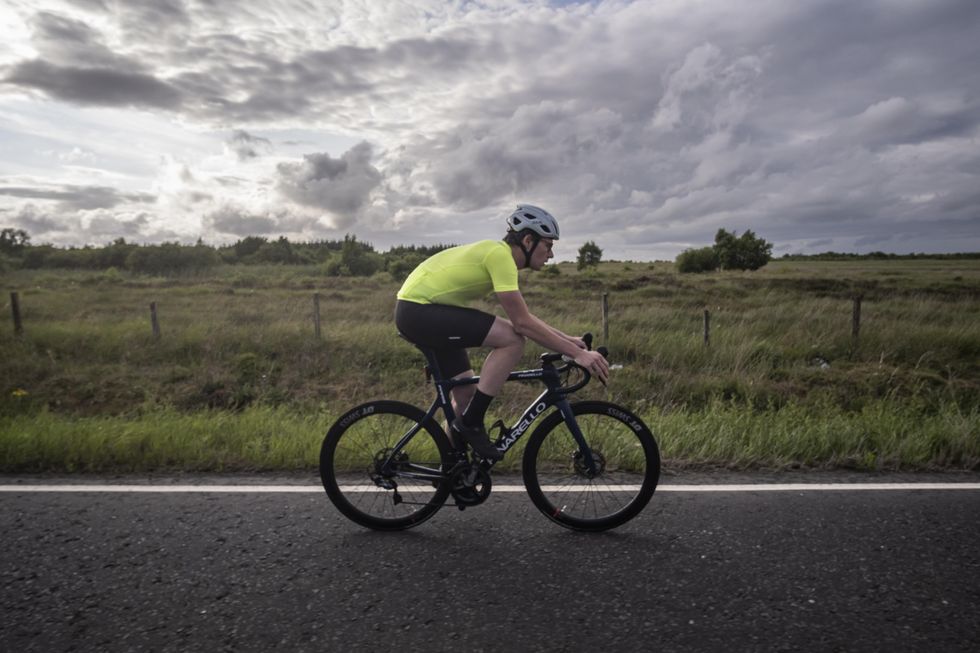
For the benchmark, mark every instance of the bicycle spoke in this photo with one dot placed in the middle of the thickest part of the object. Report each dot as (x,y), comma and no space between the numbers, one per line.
(626,468)
(371,482)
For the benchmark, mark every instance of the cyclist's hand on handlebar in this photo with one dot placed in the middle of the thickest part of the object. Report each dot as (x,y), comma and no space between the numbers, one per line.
(585,342)
(595,363)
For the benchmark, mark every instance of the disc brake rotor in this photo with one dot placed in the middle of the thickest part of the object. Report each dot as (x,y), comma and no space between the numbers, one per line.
(578,461)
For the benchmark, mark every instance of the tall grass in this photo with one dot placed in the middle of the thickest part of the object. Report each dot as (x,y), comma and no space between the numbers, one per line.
(259,438)
(237,345)
(885,435)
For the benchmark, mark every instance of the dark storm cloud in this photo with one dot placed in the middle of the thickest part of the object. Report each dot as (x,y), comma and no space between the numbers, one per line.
(148,20)
(341,186)
(239,221)
(78,197)
(37,221)
(95,86)
(69,41)
(104,225)
(247,146)
(225,77)
(91,5)
(76,65)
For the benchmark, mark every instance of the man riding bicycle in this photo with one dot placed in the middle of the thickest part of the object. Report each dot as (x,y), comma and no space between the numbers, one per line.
(432,311)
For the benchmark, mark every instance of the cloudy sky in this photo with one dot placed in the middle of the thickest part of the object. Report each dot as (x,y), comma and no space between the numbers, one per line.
(847,125)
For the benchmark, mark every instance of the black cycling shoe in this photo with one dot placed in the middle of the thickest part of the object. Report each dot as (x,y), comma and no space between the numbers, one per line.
(477,438)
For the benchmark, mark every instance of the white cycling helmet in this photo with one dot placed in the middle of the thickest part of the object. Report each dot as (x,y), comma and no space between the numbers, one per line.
(534,218)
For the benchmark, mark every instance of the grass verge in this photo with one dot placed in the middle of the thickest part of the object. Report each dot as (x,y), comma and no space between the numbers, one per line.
(883,435)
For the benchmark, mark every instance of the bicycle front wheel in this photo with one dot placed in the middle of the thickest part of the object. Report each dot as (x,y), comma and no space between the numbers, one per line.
(627,467)
(370,482)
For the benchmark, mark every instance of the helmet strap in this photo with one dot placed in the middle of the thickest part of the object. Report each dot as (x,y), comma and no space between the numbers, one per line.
(529,252)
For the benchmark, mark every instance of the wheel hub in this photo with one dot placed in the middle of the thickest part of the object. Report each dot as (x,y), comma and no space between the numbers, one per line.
(578,462)
(381,473)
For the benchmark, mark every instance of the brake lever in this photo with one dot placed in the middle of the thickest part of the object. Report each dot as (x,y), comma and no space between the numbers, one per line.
(587,339)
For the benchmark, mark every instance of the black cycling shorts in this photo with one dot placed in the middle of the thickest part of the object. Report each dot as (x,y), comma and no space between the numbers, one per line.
(448,330)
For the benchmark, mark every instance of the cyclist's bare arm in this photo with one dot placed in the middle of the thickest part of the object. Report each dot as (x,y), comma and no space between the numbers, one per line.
(578,342)
(536,329)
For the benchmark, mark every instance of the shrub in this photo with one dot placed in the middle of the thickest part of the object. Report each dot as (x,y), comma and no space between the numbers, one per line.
(13,241)
(400,267)
(746,252)
(704,259)
(354,260)
(589,255)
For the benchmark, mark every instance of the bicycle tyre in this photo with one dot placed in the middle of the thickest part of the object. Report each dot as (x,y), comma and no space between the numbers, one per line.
(347,465)
(557,484)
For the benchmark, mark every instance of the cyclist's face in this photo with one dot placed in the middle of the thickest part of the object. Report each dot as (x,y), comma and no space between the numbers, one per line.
(542,253)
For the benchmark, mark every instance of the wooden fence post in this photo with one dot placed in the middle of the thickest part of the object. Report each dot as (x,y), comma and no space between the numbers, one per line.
(856,319)
(707,327)
(316,315)
(15,309)
(605,317)
(154,323)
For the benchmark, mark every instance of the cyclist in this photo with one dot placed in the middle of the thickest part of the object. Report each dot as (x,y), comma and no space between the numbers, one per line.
(432,312)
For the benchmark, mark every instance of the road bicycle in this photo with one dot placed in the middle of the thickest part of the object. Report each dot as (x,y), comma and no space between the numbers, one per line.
(588,466)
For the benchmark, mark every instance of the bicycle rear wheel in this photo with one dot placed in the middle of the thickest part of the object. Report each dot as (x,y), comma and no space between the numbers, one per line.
(351,466)
(626,456)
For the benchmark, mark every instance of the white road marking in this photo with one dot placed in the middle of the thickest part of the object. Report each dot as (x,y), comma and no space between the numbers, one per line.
(27,488)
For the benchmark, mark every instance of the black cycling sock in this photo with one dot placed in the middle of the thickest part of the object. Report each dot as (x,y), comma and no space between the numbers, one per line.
(477,410)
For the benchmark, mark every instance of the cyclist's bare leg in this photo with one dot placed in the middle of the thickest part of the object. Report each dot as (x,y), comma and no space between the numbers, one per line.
(508,347)
(461,395)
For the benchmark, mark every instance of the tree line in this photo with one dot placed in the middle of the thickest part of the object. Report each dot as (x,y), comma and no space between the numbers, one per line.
(347,257)
(879,256)
(351,257)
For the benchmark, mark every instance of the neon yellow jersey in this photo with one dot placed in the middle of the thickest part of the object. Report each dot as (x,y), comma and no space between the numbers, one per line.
(458,275)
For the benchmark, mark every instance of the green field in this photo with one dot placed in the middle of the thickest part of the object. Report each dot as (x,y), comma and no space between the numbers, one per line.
(238,380)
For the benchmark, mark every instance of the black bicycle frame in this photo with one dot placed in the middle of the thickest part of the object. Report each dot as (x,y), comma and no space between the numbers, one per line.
(554,395)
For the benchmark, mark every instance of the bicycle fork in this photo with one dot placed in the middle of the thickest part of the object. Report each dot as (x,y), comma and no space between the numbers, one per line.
(565,408)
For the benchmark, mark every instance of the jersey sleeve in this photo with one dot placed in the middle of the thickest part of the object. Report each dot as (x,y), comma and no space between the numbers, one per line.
(502,269)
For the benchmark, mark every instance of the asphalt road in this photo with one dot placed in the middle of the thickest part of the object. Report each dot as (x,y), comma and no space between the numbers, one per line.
(741,571)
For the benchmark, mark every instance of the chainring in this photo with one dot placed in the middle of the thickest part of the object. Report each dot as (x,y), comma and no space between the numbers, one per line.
(471,485)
